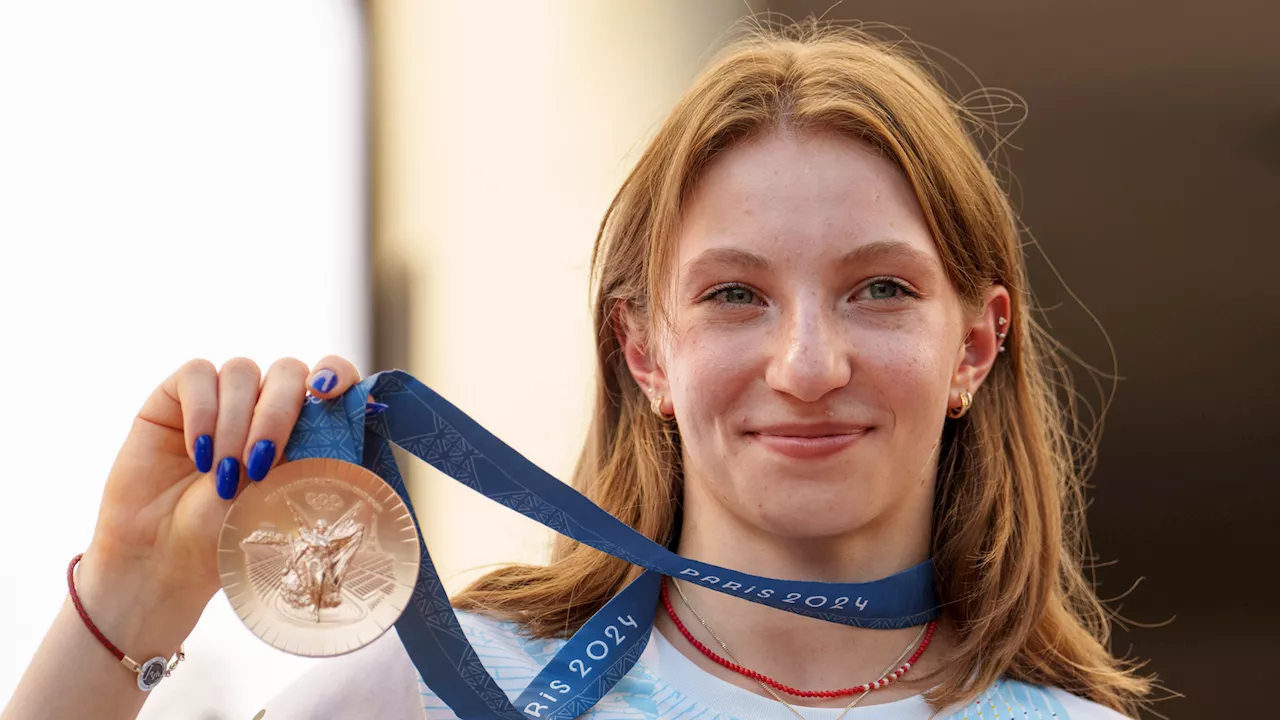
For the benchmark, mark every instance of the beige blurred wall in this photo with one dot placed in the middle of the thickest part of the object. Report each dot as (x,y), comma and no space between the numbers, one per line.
(501,131)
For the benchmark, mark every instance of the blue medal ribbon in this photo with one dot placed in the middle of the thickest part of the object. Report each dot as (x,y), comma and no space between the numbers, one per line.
(423,423)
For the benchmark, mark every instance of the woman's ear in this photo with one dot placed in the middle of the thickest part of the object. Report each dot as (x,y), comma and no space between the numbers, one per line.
(983,343)
(639,351)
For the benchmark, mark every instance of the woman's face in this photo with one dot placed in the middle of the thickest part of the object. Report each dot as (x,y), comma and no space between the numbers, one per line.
(815,343)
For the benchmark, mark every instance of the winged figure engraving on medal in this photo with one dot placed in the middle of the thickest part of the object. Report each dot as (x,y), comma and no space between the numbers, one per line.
(336,567)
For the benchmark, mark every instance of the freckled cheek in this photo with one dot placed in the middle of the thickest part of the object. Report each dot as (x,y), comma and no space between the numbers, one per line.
(708,374)
(906,370)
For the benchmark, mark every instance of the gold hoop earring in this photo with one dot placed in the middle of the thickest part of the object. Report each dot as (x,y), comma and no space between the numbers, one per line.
(966,401)
(655,404)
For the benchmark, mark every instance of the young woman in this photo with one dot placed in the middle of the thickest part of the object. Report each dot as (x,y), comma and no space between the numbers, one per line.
(816,362)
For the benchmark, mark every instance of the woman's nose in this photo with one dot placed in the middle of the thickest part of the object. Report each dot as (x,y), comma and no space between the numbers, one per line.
(810,360)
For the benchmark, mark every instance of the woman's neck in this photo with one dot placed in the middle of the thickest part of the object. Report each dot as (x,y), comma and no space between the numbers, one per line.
(799,651)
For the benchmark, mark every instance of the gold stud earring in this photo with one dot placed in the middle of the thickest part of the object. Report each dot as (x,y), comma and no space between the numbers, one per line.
(966,401)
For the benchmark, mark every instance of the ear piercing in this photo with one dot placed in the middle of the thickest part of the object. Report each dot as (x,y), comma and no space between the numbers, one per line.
(655,404)
(1002,334)
(966,402)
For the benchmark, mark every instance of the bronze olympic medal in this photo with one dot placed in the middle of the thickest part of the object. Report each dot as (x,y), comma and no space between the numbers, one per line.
(319,558)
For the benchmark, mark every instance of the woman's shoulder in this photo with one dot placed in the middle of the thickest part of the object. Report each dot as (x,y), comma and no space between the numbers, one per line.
(494,639)
(1014,698)
(1079,708)
(380,680)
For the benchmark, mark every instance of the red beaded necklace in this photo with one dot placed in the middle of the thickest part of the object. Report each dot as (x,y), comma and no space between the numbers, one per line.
(758,677)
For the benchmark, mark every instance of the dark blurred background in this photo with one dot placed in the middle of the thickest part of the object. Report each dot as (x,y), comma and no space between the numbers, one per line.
(1149,165)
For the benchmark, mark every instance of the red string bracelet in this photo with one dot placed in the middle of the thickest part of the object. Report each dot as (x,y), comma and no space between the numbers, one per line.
(149,673)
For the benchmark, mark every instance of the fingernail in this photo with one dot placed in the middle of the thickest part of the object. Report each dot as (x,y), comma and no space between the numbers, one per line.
(260,459)
(228,478)
(374,408)
(323,380)
(204,453)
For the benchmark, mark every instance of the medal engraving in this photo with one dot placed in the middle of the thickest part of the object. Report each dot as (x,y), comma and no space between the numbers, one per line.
(306,571)
(319,558)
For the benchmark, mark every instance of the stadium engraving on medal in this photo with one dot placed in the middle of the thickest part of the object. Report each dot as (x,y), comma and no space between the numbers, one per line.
(319,558)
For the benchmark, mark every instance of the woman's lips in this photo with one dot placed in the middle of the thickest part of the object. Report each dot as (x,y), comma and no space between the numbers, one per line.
(808,447)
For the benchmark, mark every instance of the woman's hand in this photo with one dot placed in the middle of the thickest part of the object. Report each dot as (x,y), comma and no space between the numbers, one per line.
(153,562)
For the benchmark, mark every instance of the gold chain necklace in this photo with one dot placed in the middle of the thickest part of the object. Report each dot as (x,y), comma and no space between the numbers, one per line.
(776,696)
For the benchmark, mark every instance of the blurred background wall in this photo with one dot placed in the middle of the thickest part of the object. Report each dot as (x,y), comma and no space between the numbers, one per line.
(500,136)
(439,169)
(177,180)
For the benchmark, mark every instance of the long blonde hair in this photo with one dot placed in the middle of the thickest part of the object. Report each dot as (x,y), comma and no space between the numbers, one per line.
(1009,540)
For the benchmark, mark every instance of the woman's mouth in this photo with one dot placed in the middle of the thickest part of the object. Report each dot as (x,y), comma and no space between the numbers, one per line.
(808,442)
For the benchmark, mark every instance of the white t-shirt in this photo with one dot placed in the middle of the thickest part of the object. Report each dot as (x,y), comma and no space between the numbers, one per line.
(380,682)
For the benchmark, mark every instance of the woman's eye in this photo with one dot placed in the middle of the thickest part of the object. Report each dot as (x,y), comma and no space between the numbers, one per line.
(886,290)
(735,295)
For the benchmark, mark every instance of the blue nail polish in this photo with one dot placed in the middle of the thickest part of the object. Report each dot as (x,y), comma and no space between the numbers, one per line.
(228,478)
(204,453)
(324,380)
(260,459)
(374,408)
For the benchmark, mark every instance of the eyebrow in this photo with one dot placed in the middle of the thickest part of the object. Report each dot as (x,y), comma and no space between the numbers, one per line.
(861,255)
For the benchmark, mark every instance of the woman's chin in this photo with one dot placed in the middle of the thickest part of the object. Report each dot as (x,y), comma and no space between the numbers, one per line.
(812,521)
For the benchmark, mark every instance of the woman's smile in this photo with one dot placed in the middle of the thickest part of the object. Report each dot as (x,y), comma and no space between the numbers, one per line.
(808,441)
